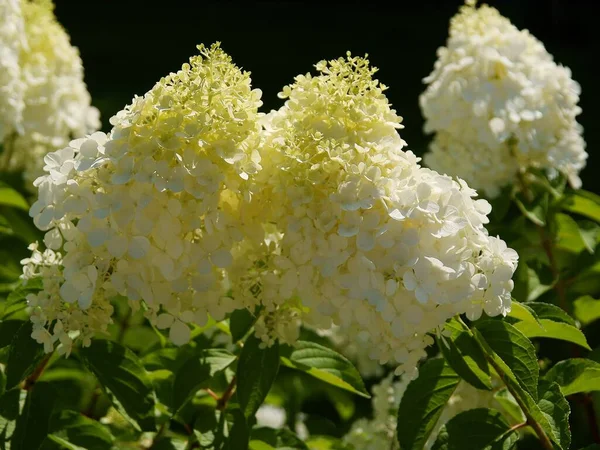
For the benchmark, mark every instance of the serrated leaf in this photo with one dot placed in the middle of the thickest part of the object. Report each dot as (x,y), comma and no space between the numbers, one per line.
(423,402)
(587,309)
(584,203)
(553,330)
(512,382)
(196,372)
(514,349)
(551,312)
(476,429)
(122,376)
(556,409)
(325,364)
(81,430)
(521,311)
(34,421)
(10,197)
(465,356)
(257,369)
(240,322)
(575,375)
(23,357)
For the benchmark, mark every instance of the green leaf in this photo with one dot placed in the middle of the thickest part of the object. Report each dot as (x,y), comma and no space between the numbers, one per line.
(575,375)
(257,369)
(476,429)
(196,372)
(325,443)
(423,402)
(23,357)
(514,349)
(521,311)
(10,197)
(123,377)
(584,203)
(553,330)
(575,237)
(556,409)
(34,422)
(10,403)
(8,330)
(509,405)
(240,322)
(82,430)
(587,309)
(551,312)
(465,356)
(535,211)
(325,364)
(511,381)
(239,435)
(16,300)
(277,438)
(54,442)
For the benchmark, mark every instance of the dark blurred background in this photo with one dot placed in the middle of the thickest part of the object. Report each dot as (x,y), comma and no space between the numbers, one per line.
(128,45)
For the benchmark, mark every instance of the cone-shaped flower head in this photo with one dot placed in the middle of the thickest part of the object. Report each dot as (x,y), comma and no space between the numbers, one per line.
(498,103)
(44,101)
(359,234)
(150,211)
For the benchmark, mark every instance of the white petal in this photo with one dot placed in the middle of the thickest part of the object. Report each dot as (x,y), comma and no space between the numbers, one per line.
(179,333)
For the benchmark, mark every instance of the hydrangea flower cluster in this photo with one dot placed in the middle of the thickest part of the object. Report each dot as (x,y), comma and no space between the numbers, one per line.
(358,234)
(499,104)
(339,226)
(44,102)
(149,211)
(378,432)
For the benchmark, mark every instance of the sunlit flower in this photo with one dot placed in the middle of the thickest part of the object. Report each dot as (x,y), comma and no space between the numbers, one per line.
(498,104)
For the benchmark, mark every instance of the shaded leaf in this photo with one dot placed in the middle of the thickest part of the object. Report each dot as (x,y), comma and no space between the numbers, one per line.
(196,372)
(325,364)
(464,355)
(556,409)
(423,402)
(514,349)
(125,380)
(240,322)
(81,430)
(257,369)
(476,429)
(23,357)
(34,422)
(584,203)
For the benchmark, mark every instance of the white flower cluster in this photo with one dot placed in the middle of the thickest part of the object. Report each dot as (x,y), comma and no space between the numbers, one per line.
(499,104)
(150,212)
(378,432)
(44,102)
(359,235)
(340,225)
